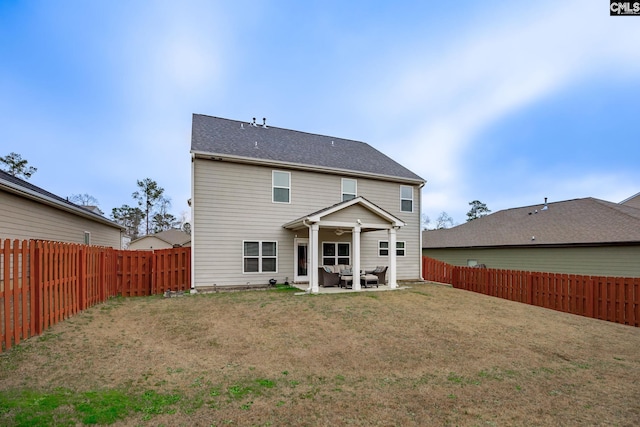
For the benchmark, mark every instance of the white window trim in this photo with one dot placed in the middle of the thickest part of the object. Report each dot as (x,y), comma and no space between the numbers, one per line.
(259,256)
(402,198)
(336,256)
(274,186)
(87,238)
(404,247)
(342,193)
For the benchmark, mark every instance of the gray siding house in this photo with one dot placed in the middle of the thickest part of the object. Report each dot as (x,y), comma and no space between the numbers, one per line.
(633,201)
(272,203)
(166,239)
(582,236)
(30,212)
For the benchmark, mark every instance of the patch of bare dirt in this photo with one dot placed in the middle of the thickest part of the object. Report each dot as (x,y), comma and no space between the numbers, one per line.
(429,355)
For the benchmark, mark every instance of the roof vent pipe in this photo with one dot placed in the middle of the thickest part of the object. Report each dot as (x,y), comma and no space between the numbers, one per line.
(545,207)
(264,122)
(254,122)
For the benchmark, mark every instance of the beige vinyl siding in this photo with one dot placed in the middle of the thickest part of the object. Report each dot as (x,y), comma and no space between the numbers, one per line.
(619,261)
(22,218)
(355,212)
(232,202)
(634,202)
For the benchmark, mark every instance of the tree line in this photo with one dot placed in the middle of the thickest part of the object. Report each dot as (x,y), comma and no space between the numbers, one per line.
(444,220)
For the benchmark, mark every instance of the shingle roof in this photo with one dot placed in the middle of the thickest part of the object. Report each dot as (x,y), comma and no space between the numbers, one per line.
(18,185)
(172,237)
(225,137)
(572,222)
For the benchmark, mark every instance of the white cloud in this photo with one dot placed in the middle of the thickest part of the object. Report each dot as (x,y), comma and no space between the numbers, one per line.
(491,72)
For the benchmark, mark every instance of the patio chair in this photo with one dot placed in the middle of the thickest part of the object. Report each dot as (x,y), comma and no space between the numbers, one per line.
(326,277)
(381,273)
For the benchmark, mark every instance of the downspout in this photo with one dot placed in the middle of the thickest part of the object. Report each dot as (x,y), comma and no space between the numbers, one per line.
(193,225)
(420,230)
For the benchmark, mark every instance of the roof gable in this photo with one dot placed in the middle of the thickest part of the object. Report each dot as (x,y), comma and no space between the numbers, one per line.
(241,140)
(570,222)
(338,207)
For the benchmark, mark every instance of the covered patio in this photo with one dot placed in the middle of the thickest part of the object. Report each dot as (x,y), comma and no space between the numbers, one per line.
(355,216)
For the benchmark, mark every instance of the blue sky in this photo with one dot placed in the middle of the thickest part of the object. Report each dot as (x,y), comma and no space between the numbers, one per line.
(504,102)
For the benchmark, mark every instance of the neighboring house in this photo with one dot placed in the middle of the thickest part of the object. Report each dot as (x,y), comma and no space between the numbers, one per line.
(94,209)
(633,201)
(29,212)
(277,203)
(581,236)
(166,239)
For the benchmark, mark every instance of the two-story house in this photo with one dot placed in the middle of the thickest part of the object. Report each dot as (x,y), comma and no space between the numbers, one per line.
(272,203)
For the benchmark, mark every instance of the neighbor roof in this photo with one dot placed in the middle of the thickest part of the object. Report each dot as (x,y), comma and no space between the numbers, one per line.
(241,140)
(633,201)
(25,189)
(172,237)
(587,221)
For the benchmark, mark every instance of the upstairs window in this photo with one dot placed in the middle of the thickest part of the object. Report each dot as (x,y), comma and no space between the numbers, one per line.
(87,238)
(281,182)
(260,257)
(349,189)
(406,198)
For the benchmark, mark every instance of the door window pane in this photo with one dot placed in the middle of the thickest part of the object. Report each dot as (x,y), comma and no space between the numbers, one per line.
(302,260)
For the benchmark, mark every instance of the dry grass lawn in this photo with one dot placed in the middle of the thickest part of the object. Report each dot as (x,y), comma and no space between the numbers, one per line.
(428,355)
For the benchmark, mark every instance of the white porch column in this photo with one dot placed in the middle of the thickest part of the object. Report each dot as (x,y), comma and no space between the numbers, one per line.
(355,265)
(313,254)
(392,259)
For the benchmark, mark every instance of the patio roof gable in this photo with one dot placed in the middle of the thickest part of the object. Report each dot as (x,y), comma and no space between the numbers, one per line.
(387,220)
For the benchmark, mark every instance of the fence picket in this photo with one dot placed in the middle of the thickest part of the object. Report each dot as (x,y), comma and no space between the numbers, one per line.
(43,282)
(614,299)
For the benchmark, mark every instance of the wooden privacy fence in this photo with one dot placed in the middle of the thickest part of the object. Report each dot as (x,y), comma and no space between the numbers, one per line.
(42,283)
(615,299)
